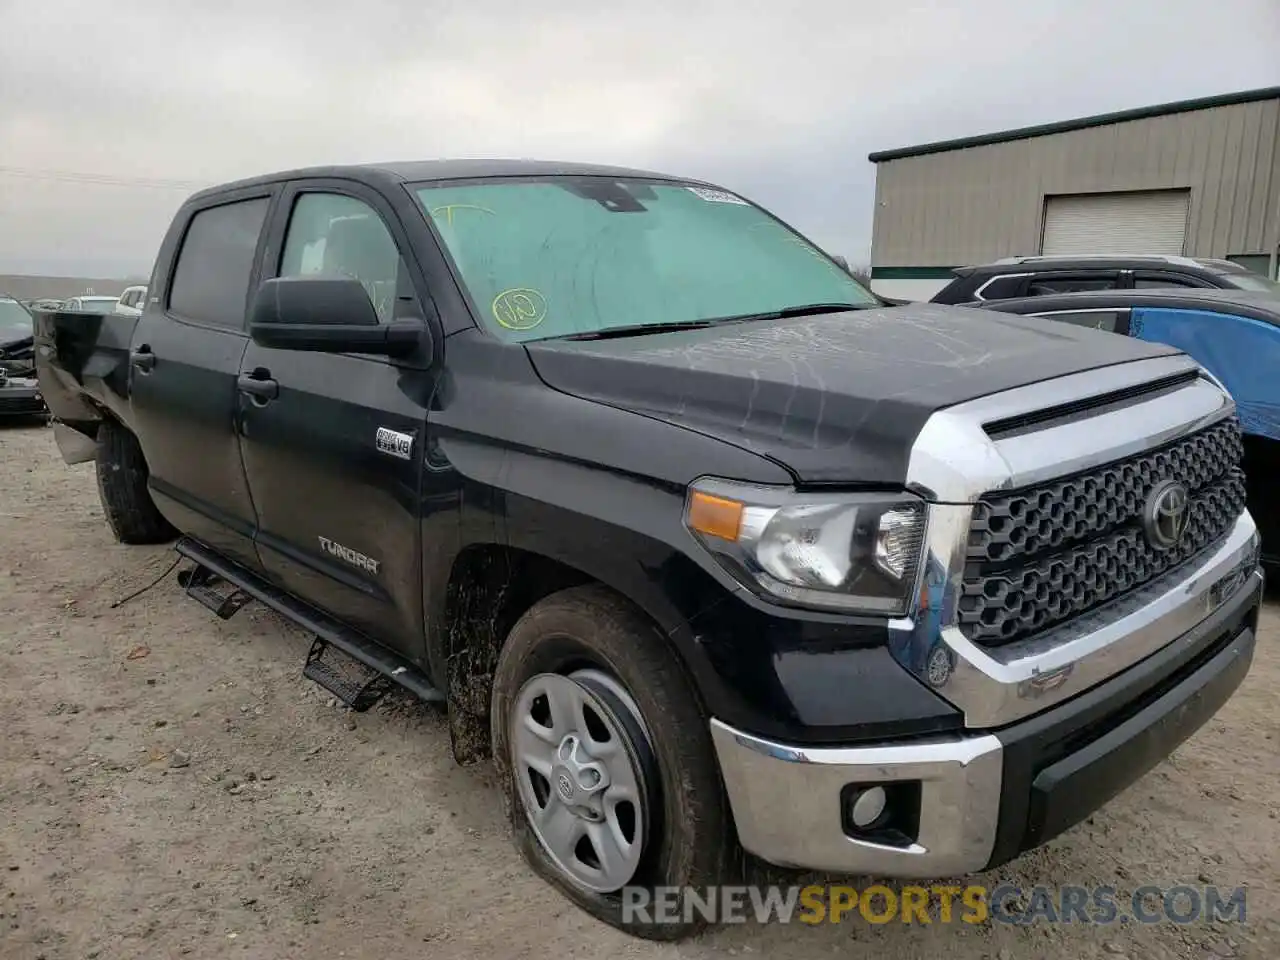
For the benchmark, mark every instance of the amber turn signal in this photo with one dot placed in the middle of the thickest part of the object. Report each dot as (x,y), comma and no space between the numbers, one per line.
(715,516)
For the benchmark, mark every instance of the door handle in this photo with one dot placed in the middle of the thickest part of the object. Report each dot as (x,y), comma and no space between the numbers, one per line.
(143,359)
(262,389)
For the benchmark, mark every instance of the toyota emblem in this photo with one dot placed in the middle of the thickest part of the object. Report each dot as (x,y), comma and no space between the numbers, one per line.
(565,786)
(1166,514)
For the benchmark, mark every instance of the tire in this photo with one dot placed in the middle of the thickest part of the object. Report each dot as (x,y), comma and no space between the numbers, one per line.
(689,840)
(122,487)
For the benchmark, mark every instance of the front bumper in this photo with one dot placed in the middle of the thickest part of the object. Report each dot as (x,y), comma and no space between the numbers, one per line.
(21,398)
(984,798)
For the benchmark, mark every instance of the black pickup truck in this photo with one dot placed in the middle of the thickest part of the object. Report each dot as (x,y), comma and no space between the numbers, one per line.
(708,547)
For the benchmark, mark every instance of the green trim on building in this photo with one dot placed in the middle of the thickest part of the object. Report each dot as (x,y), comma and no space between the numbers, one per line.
(1083,123)
(912,273)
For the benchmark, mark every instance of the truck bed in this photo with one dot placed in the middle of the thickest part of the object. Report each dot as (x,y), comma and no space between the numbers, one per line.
(82,360)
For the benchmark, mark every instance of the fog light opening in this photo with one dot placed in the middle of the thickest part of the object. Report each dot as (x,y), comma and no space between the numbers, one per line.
(867,806)
(882,813)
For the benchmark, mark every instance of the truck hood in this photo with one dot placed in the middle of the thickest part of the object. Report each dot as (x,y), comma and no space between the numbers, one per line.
(835,398)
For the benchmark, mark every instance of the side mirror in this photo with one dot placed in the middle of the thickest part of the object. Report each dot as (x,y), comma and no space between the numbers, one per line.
(327,315)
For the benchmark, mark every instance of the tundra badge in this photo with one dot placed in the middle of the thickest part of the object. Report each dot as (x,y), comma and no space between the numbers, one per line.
(353,557)
(393,443)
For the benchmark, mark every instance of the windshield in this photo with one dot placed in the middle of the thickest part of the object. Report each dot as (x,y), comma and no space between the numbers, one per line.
(1253,281)
(15,322)
(563,256)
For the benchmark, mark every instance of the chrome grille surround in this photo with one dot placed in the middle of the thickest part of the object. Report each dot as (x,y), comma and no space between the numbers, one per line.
(958,466)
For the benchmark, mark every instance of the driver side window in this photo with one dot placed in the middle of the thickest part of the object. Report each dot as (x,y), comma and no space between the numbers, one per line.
(338,236)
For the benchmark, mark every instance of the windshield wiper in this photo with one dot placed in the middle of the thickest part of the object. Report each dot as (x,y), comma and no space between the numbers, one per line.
(803,310)
(640,329)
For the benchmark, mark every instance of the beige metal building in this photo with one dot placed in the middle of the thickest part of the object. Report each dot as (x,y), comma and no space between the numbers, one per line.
(26,287)
(1199,178)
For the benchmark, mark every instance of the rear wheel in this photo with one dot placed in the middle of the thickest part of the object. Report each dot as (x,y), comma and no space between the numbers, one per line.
(607,762)
(122,487)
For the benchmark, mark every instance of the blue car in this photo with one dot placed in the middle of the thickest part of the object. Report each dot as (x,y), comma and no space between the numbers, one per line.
(1234,334)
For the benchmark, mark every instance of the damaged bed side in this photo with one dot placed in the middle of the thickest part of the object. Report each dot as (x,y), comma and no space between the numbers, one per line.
(83,362)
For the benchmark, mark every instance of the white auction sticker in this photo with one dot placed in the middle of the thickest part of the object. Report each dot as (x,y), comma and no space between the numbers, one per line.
(716,196)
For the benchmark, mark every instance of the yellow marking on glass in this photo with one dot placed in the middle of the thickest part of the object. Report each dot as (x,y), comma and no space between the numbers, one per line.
(519,308)
(448,209)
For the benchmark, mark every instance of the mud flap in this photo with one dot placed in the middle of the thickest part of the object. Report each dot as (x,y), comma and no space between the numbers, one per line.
(74,446)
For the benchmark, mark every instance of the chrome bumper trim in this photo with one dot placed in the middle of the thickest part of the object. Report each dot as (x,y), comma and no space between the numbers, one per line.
(786,802)
(996,686)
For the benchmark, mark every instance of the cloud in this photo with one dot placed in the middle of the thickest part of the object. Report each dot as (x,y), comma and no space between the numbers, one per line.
(782,102)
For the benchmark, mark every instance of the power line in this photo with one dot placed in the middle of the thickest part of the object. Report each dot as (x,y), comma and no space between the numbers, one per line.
(102,179)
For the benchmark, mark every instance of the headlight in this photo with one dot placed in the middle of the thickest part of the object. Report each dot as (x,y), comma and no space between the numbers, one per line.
(850,551)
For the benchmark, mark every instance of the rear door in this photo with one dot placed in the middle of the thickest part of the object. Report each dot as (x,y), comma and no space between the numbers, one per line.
(334,457)
(185,358)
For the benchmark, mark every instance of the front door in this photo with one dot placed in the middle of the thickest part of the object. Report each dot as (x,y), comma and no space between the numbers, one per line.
(334,457)
(185,358)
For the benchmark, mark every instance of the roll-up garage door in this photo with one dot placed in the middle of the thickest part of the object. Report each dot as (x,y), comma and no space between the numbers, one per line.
(1135,223)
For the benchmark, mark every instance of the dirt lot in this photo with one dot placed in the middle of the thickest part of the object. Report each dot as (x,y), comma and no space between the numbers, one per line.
(170,785)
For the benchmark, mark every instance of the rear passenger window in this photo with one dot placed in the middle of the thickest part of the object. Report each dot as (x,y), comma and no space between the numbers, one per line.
(1002,288)
(1108,320)
(211,280)
(1157,281)
(1041,286)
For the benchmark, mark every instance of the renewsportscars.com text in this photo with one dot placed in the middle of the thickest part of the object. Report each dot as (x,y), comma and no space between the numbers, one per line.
(971,904)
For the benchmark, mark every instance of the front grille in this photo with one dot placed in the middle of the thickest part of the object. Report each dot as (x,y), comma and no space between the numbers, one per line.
(18,405)
(1041,556)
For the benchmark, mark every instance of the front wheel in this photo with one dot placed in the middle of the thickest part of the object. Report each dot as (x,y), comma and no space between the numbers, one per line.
(607,762)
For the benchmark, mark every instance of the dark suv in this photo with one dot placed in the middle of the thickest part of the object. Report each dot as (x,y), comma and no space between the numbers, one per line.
(1035,276)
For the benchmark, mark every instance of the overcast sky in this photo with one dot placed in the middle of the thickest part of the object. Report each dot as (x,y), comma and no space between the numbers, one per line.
(104,105)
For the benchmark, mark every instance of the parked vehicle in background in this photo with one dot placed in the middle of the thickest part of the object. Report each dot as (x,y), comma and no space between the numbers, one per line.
(702,542)
(44,303)
(20,394)
(16,327)
(1233,333)
(21,397)
(1038,276)
(132,301)
(91,304)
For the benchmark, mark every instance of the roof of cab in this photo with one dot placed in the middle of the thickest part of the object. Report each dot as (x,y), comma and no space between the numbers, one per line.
(412,171)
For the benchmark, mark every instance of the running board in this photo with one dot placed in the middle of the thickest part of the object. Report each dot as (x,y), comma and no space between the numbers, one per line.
(354,644)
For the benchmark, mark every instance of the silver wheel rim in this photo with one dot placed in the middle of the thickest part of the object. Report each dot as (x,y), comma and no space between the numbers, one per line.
(580,775)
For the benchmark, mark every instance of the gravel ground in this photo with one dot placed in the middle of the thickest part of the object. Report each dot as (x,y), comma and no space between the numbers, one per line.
(170,785)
